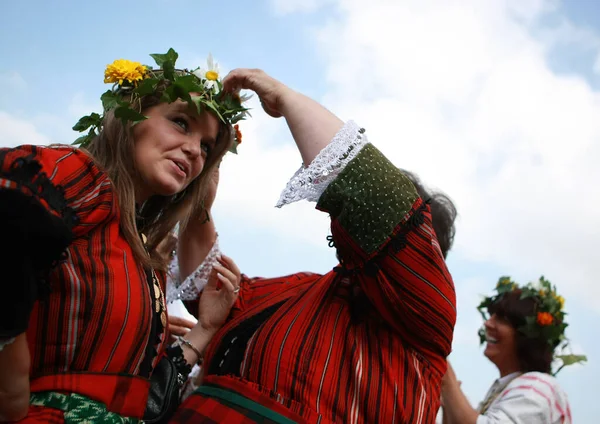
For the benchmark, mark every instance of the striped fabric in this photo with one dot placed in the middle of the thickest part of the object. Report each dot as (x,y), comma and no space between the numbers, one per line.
(532,398)
(364,343)
(96,333)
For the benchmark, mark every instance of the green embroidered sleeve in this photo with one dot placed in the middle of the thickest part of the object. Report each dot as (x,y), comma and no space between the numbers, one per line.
(369,198)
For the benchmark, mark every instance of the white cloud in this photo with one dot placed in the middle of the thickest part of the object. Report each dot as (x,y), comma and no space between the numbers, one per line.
(461,93)
(15,131)
(255,178)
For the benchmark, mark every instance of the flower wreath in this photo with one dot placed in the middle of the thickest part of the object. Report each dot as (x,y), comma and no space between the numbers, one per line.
(548,321)
(136,80)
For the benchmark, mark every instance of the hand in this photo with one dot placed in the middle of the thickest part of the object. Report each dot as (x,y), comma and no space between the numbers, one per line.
(449,378)
(271,92)
(179,326)
(219,294)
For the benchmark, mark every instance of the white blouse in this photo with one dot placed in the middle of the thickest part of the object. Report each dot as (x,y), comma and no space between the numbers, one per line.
(530,398)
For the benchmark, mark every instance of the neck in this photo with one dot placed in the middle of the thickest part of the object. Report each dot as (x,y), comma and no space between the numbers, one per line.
(508,369)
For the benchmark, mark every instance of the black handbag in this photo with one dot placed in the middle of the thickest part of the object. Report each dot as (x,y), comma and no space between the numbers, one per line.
(166,382)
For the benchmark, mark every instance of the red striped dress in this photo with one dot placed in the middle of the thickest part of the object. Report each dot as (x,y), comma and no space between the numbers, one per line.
(364,343)
(92,331)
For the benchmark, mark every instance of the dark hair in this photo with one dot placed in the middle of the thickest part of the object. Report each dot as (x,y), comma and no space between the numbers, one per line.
(443,212)
(535,354)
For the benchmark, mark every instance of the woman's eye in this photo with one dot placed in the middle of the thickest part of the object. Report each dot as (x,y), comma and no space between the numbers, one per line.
(205,147)
(182,122)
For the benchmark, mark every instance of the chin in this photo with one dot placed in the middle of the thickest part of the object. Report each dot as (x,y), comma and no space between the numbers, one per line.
(490,351)
(168,188)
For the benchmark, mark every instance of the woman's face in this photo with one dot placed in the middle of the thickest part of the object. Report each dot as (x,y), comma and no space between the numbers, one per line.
(501,347)
(171,147)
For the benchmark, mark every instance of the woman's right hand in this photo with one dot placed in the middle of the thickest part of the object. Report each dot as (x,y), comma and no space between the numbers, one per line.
(219,294)
(272,93)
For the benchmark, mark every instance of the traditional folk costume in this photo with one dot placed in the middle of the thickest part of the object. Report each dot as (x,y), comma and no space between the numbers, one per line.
(364,343)
(95,329)
(94,317)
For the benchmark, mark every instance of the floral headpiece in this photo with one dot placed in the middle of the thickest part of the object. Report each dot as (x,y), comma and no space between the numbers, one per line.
(548,321)
(134,80)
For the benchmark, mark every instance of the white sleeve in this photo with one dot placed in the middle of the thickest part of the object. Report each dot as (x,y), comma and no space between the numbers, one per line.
(309,183)
(190,288)
(529,399)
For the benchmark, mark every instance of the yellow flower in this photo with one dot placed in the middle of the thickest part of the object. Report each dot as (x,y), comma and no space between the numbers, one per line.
(542,293)
(561,302)
(124,70)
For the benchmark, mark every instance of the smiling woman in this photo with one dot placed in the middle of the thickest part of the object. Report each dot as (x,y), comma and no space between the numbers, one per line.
(82,319)
(524,326)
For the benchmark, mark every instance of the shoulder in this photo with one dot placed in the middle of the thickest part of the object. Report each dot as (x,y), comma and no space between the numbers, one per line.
(55,162)
(539,381)
(541,389)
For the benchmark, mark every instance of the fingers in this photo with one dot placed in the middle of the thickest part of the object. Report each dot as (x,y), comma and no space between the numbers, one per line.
(227,274)
(181,322)
(227,284)
(179,326)
(229,263)
(239,79)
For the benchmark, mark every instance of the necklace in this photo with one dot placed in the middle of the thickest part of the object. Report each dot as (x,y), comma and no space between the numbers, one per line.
(159,299)
(494,393)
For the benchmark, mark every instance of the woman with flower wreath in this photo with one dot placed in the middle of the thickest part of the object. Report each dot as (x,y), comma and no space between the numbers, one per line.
(364,343)
(82,316)
(524,328)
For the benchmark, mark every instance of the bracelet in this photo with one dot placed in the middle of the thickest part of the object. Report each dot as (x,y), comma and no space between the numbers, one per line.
(191,346)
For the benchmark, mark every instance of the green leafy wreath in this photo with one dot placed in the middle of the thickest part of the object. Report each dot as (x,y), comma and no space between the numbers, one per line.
(548,321)
(132,79)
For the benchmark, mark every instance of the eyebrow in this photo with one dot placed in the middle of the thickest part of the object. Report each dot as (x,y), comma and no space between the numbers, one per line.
(181,106)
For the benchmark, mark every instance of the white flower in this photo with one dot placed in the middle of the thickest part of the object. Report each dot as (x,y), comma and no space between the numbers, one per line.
(245,97)
(209,75)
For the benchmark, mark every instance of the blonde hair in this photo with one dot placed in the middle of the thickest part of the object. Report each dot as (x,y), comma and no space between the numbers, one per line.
(113,151)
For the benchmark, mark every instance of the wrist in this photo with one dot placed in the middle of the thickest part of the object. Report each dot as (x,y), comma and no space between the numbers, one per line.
(200,336)
(287,100)
(194,344)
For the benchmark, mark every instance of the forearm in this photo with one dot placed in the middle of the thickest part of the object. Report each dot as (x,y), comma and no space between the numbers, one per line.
(199,337)
(195,242)
(311,124)
(14,380)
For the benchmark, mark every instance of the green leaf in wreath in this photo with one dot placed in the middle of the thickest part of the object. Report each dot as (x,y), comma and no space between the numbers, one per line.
(147,86)
(110,100)
(167,63)
(572,359)
(87,121)
(125,113)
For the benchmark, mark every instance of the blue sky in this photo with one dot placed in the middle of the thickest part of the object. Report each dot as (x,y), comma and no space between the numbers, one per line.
(494,103)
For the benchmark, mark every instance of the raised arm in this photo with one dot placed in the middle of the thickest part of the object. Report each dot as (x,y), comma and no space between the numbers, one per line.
(381,228)
(312,125)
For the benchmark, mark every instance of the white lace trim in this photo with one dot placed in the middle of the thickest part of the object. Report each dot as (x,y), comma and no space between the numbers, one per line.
(5,342)
(310,183)
(191,287)
(190,386)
